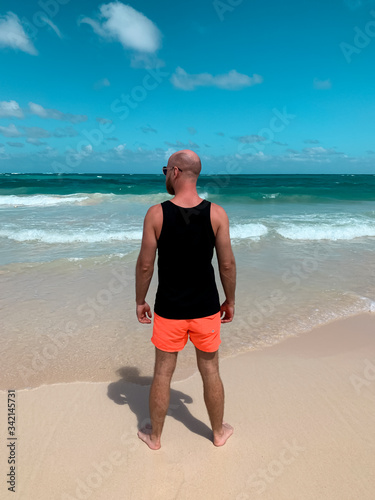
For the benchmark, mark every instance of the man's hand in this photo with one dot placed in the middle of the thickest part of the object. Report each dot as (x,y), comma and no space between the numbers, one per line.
(144,313)
(228,310)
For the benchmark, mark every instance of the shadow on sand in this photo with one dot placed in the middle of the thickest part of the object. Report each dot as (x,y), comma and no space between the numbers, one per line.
(133,389)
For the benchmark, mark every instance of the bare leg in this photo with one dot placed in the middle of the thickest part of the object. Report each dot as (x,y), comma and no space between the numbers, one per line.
(165,364)
(208,364)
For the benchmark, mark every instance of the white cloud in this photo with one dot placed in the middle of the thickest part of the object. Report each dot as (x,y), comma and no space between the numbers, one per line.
(248,139)
(169,153)
(181,145)
(10,131)
(260,154)
(314,155)
(229,81)
(65,132)
(94,25)
(104,121)
(322,84)
(3,154)
(48,21)
(104,82)
(47,153)
(147,61)
(319,150)
(54,114)
(150,160)
(120,148)
(13,35)
(36,132)
(148,129)
(128,26)
(10,109)
(80,154)
(35,142)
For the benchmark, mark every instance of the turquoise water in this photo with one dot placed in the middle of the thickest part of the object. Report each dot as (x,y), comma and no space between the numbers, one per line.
(48,217)
(304,248)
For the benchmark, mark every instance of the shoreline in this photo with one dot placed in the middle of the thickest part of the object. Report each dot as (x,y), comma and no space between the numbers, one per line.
(302,412)
(75,320)
(186,367)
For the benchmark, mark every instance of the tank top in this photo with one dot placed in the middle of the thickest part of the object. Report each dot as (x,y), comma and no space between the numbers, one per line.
(187,287)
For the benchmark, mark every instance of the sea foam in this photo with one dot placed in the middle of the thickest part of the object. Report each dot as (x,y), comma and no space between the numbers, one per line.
(39,200)
(326,231)
(252,230)
(71,237)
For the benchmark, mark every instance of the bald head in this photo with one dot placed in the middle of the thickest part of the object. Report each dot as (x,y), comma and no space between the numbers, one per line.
(188,161)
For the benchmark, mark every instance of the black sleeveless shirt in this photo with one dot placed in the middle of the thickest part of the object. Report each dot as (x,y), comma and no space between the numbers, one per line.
(187,287)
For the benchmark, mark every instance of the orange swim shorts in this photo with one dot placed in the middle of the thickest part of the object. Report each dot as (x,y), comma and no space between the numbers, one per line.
(171,335)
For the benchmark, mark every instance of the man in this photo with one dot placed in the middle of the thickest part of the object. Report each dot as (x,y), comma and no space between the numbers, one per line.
(185,230)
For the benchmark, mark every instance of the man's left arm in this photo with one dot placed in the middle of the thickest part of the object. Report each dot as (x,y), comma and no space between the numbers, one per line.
(145,266)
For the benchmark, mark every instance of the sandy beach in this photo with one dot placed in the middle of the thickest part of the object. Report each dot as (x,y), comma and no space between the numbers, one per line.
(302,411)
(194,157)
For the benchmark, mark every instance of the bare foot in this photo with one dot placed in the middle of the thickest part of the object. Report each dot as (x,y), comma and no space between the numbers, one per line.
(221,439)
(145,435)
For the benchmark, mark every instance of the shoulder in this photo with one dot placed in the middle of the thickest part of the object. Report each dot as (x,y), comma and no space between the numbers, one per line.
(154,218)
(219,217)
(154,212)
(218,212)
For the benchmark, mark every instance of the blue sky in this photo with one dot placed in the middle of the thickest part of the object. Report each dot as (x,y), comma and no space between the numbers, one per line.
(251,86)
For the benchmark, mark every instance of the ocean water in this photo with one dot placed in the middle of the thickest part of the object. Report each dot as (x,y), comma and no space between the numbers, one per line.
(47,217)
(304,247)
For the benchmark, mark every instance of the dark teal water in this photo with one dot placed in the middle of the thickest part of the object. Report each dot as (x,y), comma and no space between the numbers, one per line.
(231,188)
(47,217)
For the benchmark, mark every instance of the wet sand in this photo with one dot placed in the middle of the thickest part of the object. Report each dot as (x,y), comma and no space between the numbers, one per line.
(303,413)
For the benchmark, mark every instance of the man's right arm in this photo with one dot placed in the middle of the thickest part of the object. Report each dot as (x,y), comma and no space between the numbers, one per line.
(227,263)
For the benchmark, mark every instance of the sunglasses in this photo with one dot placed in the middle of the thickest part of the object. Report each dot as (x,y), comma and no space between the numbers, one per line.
(165,169)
